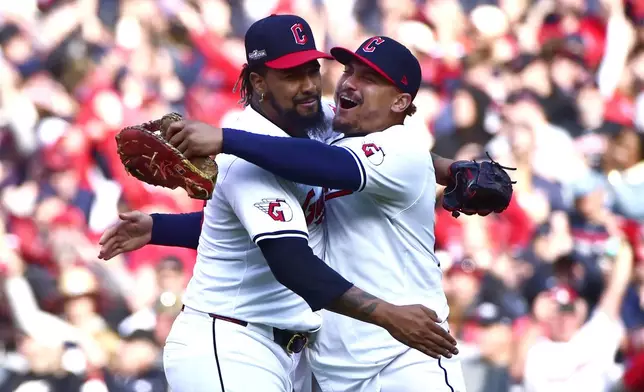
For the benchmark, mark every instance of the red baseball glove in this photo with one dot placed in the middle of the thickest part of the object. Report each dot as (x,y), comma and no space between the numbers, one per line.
(148,156)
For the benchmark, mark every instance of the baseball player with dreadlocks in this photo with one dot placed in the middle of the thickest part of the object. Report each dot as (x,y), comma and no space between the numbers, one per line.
(252,302)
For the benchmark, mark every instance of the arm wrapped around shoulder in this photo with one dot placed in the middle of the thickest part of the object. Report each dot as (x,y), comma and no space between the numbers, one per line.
(477,188)
(148,156)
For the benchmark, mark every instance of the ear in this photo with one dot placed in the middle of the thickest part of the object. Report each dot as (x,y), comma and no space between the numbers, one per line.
(401,103)
(258,82)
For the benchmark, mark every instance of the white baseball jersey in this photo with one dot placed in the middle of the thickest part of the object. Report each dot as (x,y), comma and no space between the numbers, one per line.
(381,238)
(581,364)
(231,277)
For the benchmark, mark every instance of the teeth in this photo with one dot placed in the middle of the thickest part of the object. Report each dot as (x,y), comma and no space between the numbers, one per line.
(348,99)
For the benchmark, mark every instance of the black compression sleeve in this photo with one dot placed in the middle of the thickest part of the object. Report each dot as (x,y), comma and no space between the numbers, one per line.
(296,267)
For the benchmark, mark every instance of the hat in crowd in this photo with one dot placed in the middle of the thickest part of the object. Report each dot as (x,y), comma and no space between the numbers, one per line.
(143,320)
(573,48)
(523,95)
(140,335)
(281,42)
(565,296)
(464,267)
(521,62)
(387,57)
(172,263)
(77,281)
(489,313)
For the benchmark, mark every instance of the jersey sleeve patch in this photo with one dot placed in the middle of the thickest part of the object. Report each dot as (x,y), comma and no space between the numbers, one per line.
(393,167)
(277,209)
(374,153)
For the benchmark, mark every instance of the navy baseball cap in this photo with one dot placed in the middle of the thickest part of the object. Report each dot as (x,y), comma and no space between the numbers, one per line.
(387,57)
(281,42)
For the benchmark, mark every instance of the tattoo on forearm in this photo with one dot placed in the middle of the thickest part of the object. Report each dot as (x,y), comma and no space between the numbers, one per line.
(356,303)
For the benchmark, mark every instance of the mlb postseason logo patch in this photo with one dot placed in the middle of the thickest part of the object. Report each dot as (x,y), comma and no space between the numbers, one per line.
(257,54)
(277,209)
(374,153)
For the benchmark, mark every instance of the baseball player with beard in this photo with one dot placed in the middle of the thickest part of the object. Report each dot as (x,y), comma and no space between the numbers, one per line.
(380,185)
(251,304)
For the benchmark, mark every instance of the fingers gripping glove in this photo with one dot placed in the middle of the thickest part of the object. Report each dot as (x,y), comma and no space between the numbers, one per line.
(477,188)
(148,156)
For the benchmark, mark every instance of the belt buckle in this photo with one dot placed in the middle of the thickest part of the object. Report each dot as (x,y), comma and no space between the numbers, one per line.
(297,343)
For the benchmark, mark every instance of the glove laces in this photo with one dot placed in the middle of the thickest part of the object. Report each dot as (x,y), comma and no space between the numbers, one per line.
(497,164)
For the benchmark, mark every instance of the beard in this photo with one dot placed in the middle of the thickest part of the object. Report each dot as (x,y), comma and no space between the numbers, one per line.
(311,125)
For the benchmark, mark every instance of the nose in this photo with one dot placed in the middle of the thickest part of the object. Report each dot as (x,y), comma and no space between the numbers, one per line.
(349,83)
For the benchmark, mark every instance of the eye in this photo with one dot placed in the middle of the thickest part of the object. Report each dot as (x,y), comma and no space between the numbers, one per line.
(367,77)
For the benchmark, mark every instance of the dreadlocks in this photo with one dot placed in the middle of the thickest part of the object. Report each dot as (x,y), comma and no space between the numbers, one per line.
(411,110)
(244,84)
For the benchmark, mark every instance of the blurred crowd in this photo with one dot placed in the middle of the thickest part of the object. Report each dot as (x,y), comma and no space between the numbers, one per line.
(553,88)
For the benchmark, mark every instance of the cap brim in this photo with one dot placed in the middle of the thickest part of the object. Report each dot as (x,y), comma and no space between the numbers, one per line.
(345,56)
(296,59)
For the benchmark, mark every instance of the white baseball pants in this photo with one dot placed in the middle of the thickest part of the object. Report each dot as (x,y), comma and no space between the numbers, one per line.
(412,371)
(203,354)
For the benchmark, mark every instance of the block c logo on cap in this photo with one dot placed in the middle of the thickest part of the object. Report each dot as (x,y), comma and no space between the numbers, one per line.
(370,46)
(298,33)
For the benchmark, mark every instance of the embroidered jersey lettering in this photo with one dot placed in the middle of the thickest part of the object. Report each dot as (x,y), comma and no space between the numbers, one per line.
(330,194)
(313,208)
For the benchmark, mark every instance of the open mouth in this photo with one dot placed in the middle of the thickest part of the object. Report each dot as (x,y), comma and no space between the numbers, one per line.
(347,103)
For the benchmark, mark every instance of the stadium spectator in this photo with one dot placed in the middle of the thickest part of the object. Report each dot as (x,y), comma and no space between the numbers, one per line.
(576,354)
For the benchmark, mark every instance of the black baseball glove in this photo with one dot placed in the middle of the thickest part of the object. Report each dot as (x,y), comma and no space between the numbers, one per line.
(478,188)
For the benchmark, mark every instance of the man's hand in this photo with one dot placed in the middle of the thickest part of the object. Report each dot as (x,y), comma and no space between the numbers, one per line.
(195,139)
(418,327)
(413,325)
(133,232)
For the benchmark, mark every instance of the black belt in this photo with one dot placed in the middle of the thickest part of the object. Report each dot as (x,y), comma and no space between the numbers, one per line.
(291,341)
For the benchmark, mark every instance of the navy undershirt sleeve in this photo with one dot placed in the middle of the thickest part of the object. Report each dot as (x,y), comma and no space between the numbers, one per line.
(299,160)
(180,230)
(296,267)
